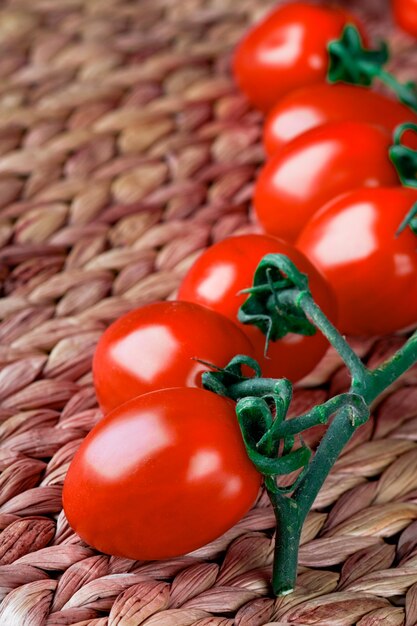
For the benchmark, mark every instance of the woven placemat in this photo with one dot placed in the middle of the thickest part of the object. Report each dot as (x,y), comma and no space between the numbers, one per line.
(124,151)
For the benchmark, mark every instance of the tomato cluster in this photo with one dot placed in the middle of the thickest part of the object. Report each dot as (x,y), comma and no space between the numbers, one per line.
(329,185)
(166,470)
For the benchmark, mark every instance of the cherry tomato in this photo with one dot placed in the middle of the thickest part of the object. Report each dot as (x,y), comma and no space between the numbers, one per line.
(317,166)
(309,107)
(161,475)
(287,50)
(226,268)
(405,14)
(155,347)
(373,273)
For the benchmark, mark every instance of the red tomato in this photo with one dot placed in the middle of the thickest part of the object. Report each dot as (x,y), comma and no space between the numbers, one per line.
(228,267)
(373,273)
(287,50)
(160,476)
(317,166)
(155,347)
(405,14)
(309,107)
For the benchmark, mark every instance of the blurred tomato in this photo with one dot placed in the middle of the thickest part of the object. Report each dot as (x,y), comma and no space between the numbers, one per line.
(312,106)
(405,14)
(316,167)
(287,50)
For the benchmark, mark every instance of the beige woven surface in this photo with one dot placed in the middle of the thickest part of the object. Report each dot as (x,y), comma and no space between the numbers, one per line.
(124,151)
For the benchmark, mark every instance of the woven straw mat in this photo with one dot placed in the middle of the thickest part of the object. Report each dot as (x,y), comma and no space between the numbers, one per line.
(125,150)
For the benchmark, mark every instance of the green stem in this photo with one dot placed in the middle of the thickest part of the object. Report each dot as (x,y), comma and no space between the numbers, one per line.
(287,540)
(316,315)
(319,415)
(404,93)
(385,375)
(288,306)
(257,387)
(337,436)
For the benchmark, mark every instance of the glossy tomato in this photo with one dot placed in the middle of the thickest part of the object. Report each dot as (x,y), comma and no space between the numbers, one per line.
(405,14)
(160,476)
(373,273)
(155,347)
(317,166)
(287,50)
(226,268)
(309,107)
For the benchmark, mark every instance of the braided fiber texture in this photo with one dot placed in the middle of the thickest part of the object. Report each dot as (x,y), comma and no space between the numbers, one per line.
(125,150)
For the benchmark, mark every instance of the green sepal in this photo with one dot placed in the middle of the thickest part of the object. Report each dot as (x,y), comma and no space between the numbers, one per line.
(252,414)
(274,300)
(351,62)
(403,157)
(221,379)
(409,220)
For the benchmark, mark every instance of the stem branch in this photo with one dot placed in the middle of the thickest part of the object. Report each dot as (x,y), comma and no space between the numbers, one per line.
(319,319)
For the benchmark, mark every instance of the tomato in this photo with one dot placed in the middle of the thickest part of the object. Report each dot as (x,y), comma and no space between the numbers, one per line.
(226,268)
(287,50)
(155,347)
(161,475)
(405,14)
(309,107)
(373,273)
(317,166)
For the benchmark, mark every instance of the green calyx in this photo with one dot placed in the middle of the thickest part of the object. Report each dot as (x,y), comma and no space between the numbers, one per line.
(404,160)
(274,300)
(403,157)
(261,411)
(351,62)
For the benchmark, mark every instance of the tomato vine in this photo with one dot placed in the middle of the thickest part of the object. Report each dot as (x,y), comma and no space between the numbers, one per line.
(263,404)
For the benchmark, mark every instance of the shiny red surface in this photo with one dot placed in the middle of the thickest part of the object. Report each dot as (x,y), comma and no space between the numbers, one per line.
(160,476)
(287,50)
(373,272)
(226,268)
(309,107)
(315,168)
(155,347)
(405,14)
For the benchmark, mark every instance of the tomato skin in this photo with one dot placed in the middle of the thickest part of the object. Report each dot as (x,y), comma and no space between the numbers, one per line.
(309,107)
(160,476)
(316,167)
(405,14)
(373,273)
(226,268)
(155,346)
(287,50)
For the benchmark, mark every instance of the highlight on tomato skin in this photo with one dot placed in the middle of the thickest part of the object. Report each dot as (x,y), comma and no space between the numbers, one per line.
(227,267)
(160,476)
(310,107)
(317,166)
(287,50)
(373,272)
(156,346)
